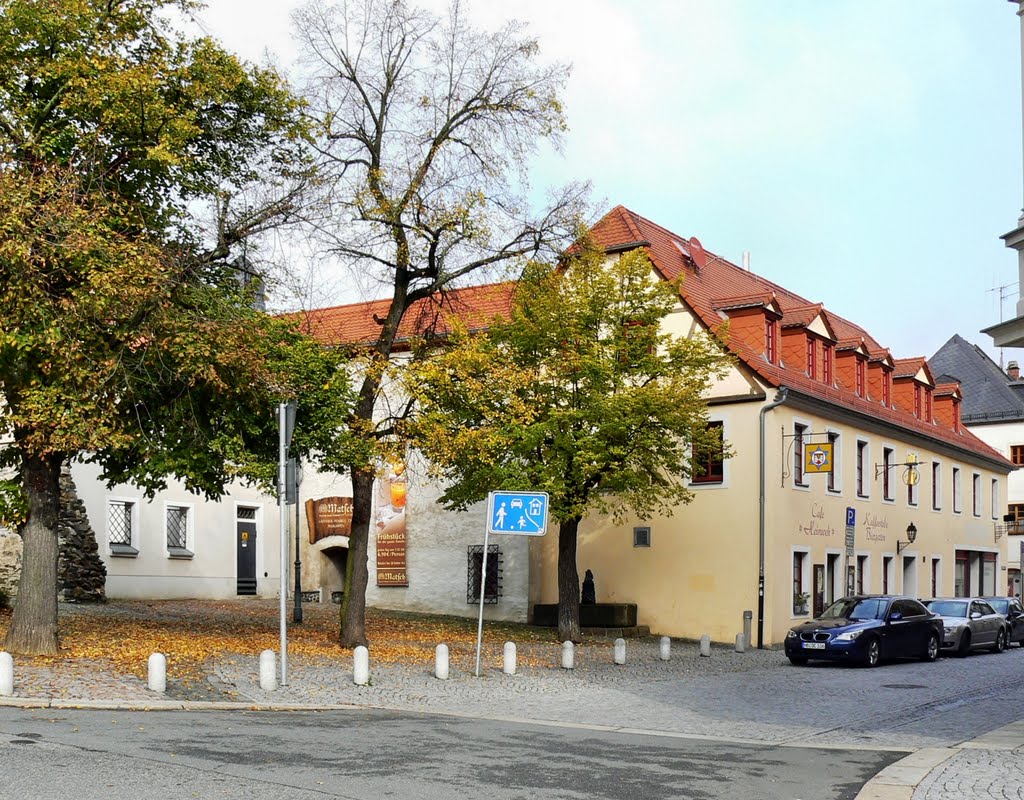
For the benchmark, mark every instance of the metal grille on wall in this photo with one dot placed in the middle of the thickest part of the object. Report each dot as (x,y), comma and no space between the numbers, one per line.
(120,522)
(177,527)
(492,586)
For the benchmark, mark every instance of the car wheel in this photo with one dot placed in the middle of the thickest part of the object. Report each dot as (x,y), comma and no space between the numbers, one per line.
(965,645)
(872,652)
(1000,644)
(798,661)
(931,650)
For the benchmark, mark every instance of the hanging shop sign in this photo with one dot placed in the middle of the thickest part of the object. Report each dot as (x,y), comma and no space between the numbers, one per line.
(328,516)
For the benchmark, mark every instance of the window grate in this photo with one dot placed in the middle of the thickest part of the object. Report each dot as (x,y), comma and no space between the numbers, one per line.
(119,522)
(246,513)
(177,527)
(492,586)
(642,537)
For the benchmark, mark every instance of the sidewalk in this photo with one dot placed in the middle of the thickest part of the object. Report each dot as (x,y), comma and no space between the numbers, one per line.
(962,743)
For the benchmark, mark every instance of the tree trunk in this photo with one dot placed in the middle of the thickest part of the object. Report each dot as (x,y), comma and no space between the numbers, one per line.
(33,629)
(353,608)
(568,583)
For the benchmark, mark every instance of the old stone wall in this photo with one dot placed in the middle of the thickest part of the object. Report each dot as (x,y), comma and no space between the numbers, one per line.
(10,561)
(81,573)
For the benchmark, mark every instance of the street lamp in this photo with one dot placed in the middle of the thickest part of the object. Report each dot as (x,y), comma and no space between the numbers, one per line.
(911,535)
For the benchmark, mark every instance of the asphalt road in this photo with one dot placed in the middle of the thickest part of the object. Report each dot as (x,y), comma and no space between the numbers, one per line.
(116,755)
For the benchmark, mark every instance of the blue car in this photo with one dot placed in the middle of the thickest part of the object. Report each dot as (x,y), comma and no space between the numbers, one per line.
(867,629)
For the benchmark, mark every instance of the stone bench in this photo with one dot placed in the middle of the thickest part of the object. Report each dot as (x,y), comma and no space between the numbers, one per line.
(596,615)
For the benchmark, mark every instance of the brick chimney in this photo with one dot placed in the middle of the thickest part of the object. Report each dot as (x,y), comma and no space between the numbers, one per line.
(1013,371)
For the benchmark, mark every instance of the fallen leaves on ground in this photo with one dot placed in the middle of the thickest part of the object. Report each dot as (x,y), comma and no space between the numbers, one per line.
(191,632)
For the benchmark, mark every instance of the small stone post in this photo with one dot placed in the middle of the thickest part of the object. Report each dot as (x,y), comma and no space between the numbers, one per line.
(361,666)
(568,655)
(741,643)
(665,648)
(705,645)
(268,670)
(619,654)
(6,674)
(508,659)
(157,673)
(441,662)
(748,617)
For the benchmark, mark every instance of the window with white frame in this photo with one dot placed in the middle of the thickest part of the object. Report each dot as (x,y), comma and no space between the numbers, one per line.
(936,486)
(799,431)
(995,498)
(178,525)
(976,494)
(835,476)
(957,491)
(912,489)
(887,477)
(863,483)
(122,527)
(801,583)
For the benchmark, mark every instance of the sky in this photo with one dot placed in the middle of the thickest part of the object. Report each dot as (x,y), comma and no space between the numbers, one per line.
(866,153)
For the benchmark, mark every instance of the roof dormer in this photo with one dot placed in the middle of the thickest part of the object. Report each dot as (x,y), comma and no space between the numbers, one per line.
(851,365)
(912,387)
(808,342)
(880,372)
(947,405)
(753,320)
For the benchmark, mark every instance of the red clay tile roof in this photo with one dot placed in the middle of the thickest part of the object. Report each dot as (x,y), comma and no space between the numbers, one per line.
(944,389)
(908,367)
(719,280)
(744,301)
(356,324)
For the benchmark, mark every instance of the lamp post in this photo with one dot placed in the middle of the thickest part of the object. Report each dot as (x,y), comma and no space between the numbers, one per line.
(911,536)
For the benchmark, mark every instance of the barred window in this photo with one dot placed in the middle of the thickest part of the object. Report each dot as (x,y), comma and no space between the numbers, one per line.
(492,584)
(120,527)
(178,519)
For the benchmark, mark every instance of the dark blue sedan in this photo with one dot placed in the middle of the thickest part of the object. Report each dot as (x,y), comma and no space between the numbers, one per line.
(866,629)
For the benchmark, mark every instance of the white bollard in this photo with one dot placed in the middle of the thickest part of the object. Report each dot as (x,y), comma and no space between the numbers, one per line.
(508,659)
(441,662)
(6,674)
(361,666)
(568,655)
(665,649)
(741,643)
(157,673)
(619,654)
(268,670)
(705,646)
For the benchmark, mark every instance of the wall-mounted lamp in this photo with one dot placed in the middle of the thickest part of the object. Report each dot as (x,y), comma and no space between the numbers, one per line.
(911,535)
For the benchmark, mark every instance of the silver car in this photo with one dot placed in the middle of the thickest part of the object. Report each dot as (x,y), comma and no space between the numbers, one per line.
(969,623)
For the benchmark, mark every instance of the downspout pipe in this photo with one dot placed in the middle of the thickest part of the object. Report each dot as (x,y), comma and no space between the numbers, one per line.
(780,398)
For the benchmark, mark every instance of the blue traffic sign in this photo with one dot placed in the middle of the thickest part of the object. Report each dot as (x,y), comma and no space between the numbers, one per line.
(522,513)
(851,517)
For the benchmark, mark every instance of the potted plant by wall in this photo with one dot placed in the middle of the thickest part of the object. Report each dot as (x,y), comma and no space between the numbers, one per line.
(800,602)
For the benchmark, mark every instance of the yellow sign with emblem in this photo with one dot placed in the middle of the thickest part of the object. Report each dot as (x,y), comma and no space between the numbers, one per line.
(818,457)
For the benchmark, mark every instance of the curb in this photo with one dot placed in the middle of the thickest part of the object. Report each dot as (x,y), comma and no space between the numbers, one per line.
(898,781)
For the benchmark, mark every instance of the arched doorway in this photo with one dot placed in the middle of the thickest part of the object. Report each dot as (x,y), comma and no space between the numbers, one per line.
(333,561)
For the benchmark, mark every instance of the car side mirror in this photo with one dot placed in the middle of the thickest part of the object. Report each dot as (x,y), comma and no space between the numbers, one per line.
(976,615)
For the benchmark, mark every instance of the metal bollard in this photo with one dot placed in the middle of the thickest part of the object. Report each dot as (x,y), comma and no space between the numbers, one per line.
(361,666)
(156,671)
(508,659)
(568,655)
(6,674)
(741,643)
(619,654)
(441,662)
(748,617)
(665,648)
(268,670)
(705,645)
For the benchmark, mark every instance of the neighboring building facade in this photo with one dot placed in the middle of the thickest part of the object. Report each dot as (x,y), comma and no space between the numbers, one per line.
(994,411)
(421,558)
(760,524)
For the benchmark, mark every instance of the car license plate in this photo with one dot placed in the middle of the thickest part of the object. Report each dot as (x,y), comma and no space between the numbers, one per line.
(814,645)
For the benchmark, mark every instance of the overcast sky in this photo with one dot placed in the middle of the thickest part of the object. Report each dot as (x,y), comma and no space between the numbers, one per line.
(866,152)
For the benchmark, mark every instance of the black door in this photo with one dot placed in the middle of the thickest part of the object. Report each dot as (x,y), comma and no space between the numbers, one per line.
(246,547)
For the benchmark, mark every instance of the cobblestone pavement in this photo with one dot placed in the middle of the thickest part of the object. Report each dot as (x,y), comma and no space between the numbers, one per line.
(976,773)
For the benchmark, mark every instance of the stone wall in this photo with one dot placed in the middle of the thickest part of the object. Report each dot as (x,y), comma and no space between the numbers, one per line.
(81,573)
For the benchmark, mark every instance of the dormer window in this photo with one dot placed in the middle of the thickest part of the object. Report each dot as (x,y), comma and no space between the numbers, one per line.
(956,415)
(886,388)
(812,358)
(826,364)
(770,335)
(859,377)
(917,401)
(928,417)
